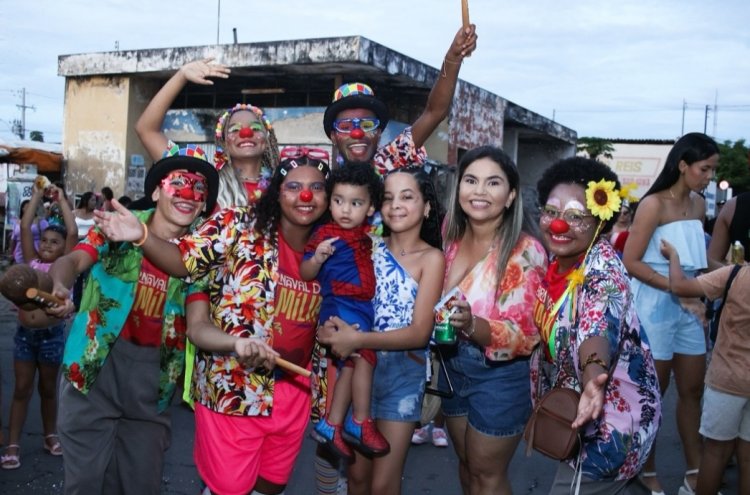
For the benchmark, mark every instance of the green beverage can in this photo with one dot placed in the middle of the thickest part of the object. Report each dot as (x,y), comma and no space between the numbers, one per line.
(444,333)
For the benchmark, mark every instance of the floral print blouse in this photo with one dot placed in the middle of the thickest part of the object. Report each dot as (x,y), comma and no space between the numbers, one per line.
(105,304)
(508,309)
(616,445)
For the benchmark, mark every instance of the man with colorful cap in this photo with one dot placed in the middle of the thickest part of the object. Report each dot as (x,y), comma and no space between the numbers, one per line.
(126,347)
(355,119)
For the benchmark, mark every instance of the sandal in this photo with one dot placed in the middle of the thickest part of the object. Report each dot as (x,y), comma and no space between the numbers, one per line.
(52,445)
(11,461)
(649,474)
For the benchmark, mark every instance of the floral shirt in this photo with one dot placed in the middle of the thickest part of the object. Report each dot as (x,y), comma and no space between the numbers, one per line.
(244,274)
(398,153)
(509,309)
(616,445)
(107,298)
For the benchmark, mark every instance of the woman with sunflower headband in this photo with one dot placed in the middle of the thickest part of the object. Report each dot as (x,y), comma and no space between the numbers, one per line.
(592,341)
(246,146)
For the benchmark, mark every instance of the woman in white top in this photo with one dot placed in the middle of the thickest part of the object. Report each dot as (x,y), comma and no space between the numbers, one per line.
(85,213)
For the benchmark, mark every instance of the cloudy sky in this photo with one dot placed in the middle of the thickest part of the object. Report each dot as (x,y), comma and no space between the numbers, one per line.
(606,69)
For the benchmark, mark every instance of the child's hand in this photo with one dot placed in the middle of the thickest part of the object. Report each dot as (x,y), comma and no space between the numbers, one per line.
(254,352)
(324,250)
(667,250)
(120,224)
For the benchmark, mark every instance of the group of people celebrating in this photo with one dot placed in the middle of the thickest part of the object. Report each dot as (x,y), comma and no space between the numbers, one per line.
(238,269)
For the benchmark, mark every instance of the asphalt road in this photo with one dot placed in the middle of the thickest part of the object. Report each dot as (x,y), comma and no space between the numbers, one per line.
(429,470)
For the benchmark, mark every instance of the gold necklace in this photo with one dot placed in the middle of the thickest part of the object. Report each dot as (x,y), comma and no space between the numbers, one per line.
(685,210)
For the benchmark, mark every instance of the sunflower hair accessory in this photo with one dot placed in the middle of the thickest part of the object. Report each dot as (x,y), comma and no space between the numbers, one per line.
(603,199)
(626,193)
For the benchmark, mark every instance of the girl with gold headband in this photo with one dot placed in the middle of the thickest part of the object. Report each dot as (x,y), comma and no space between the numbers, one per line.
(592,341)
(245,139)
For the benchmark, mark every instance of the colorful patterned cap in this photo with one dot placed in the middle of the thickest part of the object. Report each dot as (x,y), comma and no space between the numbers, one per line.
(354,95)
(191,158)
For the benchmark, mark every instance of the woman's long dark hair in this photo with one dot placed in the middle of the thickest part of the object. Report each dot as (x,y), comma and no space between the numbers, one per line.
(690,148)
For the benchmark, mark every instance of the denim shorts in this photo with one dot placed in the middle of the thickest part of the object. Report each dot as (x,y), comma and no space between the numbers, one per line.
(40,345)
(398,385)
(496,396)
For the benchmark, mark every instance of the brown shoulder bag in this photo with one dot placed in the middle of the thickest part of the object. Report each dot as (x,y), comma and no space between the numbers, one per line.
(548,430)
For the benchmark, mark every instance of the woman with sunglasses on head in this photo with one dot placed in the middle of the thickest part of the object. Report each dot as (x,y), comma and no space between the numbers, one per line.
(250,418)
(496,267)
(673,209)
(245,139)
(589,329)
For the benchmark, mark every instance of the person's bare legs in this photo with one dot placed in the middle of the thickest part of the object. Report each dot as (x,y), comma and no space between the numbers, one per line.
(663,372)
(361,389)
(743,464)
(48,375)
(388,470)
(342,396)
(716,454)
(22,391)
(359,475)
(689,372)
(457,430)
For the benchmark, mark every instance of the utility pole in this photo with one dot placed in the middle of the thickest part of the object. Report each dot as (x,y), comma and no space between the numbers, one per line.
(23,106)
(684,106)
(716,112)
(218,22)
(705,120)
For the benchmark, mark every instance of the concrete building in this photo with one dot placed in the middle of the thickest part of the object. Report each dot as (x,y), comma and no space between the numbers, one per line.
(293,81)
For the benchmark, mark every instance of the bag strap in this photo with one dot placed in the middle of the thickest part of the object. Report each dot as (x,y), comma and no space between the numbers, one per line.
(733,274)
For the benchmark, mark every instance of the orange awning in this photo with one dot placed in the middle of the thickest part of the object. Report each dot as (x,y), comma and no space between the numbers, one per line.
(45,161)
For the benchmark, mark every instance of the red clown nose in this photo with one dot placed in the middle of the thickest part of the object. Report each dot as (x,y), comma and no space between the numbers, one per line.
(358,133)
(306,195)
(246,132)
(559,226)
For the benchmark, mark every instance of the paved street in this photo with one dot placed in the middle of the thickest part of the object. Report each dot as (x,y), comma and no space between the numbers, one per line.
(428,471)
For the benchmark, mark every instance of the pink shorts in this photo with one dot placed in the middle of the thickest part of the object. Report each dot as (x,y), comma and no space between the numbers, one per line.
(232,452)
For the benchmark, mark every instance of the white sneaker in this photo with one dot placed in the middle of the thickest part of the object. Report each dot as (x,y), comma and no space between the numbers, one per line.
(439,438)
(421,435)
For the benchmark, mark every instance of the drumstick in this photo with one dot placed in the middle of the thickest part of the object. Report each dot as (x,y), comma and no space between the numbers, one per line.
(44,298)
(283,363)
(465,13)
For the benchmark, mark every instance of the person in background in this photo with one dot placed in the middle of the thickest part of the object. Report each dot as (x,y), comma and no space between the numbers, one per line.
(124,201)
(673,209)
(725,422)
(106,198)
(39,339)
(732,224)
(85,213)
(592,340)
(621,229)
(37,227)
(126,347)
(434,432)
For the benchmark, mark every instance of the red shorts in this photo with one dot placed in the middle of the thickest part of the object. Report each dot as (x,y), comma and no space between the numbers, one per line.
(232,452)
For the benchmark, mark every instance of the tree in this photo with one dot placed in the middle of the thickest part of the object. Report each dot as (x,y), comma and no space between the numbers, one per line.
(595,147)
(734,165)
(36,136)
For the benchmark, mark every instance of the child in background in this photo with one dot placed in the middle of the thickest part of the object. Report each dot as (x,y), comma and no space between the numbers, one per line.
(40,338)
(339,256)
(725,420)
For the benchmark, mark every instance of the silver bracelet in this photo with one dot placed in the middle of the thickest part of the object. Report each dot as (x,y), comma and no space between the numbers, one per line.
(472,328)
